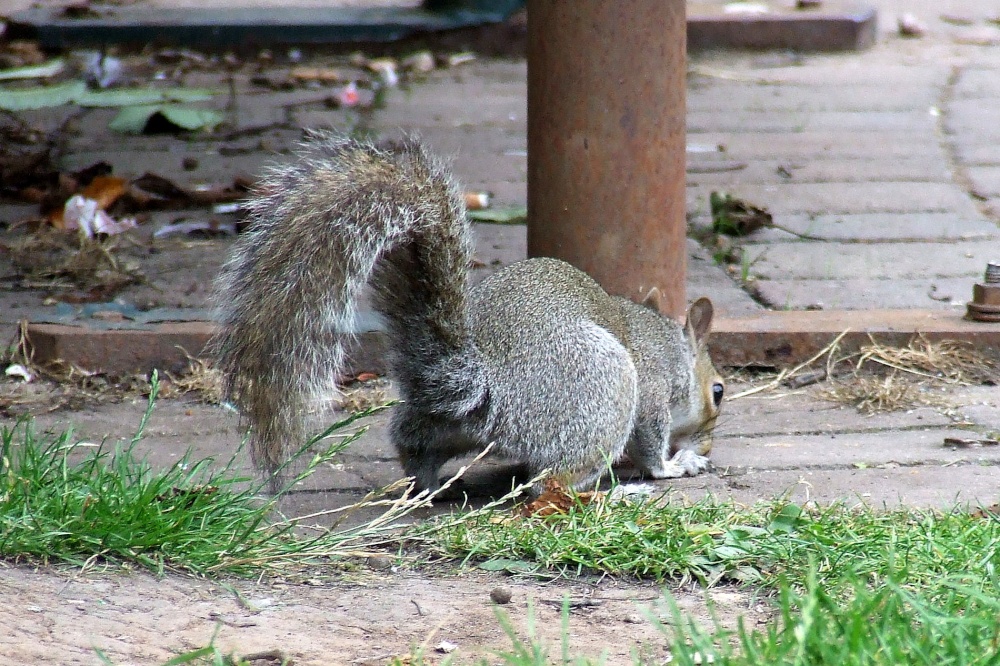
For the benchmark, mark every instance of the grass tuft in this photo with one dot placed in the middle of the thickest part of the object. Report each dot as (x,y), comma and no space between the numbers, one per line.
(62,500)
(950,621)
(712,541)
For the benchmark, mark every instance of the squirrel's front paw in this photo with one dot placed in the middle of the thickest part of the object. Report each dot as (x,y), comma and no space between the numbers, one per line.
(684,463)
(690,462)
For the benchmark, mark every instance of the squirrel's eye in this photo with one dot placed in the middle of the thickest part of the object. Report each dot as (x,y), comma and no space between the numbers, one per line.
(717,391)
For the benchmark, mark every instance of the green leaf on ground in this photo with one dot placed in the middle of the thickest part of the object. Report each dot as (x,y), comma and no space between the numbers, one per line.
(135,119)
(499,215)
(140,96)
(43,71)
(41,97)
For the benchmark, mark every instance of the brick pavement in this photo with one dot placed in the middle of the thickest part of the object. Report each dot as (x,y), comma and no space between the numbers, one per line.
(889,156)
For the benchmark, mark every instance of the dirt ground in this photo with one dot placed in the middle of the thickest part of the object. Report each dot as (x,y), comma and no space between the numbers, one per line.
(62,616)
(767,446)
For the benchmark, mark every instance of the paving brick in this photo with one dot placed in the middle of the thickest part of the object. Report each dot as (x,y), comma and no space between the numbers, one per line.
(705,94)
(904,447)
(836,199)
(975,120)
(822,145)
(985,179)
(865,293)
(723,171)
(977,152)
(838,261)
(917,486)
(879,227)
(974,83)
(743,120)
(832,72)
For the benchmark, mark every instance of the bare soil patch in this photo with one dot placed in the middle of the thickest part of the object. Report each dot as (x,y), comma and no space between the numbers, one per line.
(60,616)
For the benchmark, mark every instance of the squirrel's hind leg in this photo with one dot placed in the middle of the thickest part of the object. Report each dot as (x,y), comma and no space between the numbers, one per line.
(425,443)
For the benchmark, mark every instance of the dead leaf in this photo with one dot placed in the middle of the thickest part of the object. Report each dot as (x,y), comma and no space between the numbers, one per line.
(736,217)
(992,511)
(105,190)
(151,191)
(321,74)
(557,499)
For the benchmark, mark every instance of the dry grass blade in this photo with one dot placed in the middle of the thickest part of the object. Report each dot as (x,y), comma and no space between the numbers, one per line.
(784,375)
(912,372)
(950,361)
(872,394)
(60,260)
(365,396)
(201,379)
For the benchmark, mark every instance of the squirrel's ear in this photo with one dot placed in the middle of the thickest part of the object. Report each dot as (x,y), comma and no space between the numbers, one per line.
(699,318)
(652,300)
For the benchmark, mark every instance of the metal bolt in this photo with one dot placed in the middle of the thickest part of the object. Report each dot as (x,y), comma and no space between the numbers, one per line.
(985,303)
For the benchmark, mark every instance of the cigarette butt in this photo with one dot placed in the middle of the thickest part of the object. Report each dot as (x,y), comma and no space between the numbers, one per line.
(477,200)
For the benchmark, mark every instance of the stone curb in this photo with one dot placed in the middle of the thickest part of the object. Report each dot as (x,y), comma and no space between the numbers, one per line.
(769,338)
(834,26)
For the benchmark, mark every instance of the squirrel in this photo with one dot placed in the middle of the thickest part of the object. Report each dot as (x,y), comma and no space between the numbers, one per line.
(537,359)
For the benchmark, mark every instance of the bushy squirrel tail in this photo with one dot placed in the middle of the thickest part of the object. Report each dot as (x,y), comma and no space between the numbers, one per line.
(344,214)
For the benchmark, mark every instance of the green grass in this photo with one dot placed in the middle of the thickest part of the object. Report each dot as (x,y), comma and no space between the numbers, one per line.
(65,501)
(848,585)
(710,541)
(950,621)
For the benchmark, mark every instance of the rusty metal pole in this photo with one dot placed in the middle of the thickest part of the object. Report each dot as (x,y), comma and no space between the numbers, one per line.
(606,134)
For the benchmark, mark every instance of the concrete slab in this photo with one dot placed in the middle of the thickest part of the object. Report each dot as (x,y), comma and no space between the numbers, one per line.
(760,338)
(213,26)
(842,261)
(834,26)
(831,450)
(865,197)
(947,294)
(878,227)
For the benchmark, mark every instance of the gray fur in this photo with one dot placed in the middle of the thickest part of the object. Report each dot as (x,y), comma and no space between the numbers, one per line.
(537,359)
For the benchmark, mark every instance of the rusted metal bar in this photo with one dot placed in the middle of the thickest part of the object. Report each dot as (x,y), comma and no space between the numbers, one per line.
(606,141)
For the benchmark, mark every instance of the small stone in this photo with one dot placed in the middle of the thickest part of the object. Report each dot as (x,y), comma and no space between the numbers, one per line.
(379,562)
(633,618)
(501,594)
(910,26)
(446,647)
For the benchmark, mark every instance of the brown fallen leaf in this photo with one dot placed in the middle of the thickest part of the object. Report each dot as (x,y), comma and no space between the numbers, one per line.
(150,191)
(986,512)
(962,442)
(320,74)
(105,190)
(557,499)
(736,217)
